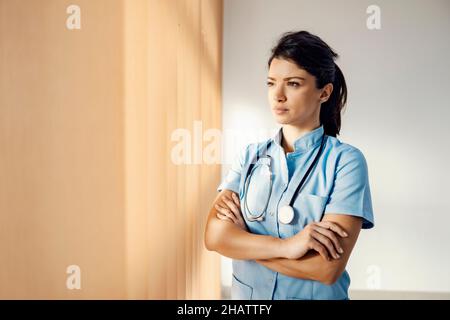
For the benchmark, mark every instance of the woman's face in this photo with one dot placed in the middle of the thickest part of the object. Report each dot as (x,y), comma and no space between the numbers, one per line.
(293,96)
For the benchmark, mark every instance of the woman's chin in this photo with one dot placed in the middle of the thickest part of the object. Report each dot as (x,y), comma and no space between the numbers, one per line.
(282,119)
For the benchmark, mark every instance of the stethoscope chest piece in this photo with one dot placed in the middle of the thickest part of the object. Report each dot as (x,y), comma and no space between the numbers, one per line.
(285,214)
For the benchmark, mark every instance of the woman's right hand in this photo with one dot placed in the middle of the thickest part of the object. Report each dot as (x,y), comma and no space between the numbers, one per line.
(319,236)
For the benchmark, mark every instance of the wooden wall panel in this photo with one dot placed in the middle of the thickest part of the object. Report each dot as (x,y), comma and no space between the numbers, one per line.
(61,142)
(187,57)
(86,175)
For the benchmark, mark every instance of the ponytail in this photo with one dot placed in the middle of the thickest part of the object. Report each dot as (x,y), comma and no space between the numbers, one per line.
(330,111)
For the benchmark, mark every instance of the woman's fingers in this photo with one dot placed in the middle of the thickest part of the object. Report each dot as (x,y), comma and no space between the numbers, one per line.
(326,242)
(232,206)
(236,199)
(228,216)
(238,204)
(228,207)
(330,235)
(223,217)
(333,227)
(317,246)
(226,212)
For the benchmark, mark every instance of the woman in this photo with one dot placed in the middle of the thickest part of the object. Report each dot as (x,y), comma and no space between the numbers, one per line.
(291,208)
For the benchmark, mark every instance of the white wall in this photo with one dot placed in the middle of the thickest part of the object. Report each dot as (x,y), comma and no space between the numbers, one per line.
(398,82)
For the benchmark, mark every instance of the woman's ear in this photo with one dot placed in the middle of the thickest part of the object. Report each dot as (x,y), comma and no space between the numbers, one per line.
(326,92)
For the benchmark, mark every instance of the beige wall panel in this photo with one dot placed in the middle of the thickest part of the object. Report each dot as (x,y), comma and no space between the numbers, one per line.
(62,177)
(86,175)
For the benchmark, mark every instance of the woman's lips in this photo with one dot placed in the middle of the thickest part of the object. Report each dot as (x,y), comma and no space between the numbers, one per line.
(280,110)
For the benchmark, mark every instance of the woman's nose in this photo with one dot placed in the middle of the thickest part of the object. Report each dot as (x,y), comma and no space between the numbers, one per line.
(279,96)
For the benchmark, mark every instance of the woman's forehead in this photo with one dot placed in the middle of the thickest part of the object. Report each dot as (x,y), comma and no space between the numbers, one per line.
(282,68)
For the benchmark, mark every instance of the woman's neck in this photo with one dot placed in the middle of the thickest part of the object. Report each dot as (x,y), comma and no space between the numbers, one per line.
(293,132)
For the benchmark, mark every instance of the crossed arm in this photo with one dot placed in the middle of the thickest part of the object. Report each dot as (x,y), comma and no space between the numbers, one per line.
(311,254)
(312,266)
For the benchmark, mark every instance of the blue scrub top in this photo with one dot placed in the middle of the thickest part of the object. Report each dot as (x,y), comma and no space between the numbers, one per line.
(338,184)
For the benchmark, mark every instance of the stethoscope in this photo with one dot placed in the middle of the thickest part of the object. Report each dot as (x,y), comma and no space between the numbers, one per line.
(286,212)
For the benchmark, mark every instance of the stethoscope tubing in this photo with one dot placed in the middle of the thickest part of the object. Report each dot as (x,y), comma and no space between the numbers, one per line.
(253,166)
(251,217)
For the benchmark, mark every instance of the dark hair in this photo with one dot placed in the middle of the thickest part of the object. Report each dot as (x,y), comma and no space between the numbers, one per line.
(312,54)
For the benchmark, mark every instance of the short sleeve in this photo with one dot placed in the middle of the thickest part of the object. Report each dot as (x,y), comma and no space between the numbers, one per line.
(233,177)
(350,193)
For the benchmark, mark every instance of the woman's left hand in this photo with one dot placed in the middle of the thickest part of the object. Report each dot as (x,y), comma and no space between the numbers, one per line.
(228,208)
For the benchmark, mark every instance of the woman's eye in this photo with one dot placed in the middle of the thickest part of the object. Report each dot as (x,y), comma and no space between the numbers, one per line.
(269,84)
(293,84)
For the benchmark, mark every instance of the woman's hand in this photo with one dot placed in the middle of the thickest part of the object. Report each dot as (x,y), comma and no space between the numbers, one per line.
(228,208)
(319,236)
